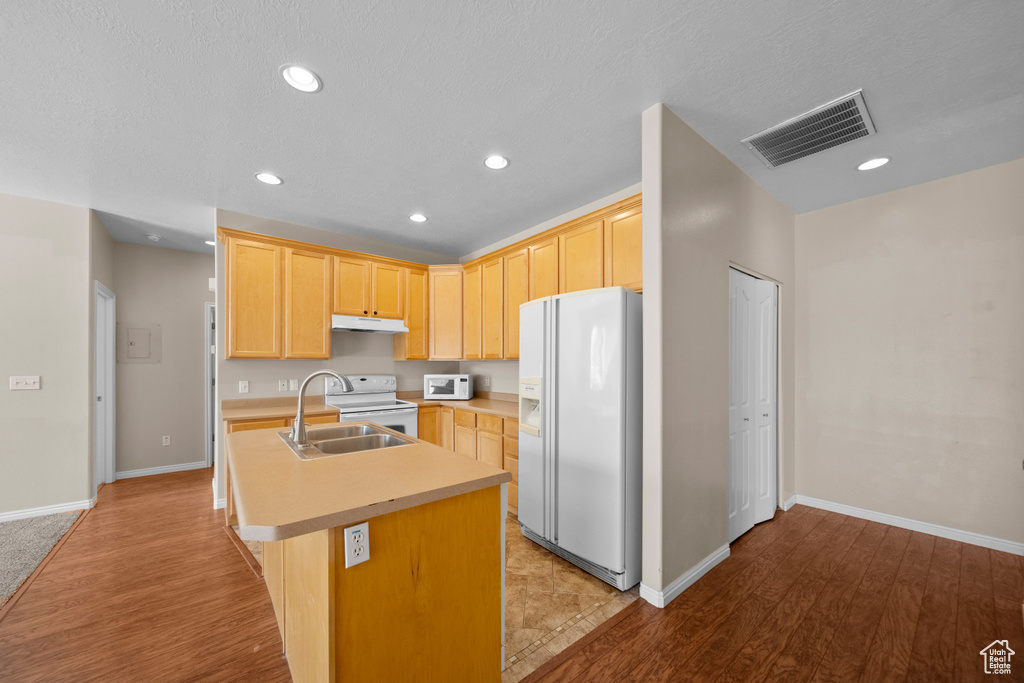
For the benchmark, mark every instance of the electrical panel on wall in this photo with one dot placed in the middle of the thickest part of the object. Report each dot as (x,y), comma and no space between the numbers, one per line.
(139,343)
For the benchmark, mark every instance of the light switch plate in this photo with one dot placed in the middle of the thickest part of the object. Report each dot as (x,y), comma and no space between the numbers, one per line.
(282,385)
(24,382)
(357,544)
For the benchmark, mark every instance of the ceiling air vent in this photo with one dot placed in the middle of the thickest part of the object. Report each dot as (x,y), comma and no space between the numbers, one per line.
(821,128)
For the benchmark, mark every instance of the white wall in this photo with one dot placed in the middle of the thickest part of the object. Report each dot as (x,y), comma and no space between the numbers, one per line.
(45,295)
(910,330)
(701,215)
(504,374)
(168,287)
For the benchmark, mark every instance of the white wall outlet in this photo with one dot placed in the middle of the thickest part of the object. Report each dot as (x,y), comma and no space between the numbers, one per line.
(485,382)
(243,386)
(24,382)
(166,441)
(293,385)
(357,544)
(282,385)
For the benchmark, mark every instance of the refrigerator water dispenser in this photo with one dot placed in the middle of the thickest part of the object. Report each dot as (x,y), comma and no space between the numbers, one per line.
(529,405)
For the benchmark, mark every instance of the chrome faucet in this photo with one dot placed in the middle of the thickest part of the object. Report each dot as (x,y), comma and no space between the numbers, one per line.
(298,434)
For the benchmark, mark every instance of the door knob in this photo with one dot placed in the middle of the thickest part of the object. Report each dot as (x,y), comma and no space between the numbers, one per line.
(765,415)
(746,419)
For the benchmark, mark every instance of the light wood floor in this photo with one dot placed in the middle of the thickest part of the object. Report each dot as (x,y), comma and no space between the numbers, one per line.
(148,588)
(817,596)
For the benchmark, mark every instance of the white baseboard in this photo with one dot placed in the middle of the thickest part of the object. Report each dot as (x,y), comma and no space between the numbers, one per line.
(788,503)
(220,503)
(46,510)
(161,470)
(912,524)
(672,591)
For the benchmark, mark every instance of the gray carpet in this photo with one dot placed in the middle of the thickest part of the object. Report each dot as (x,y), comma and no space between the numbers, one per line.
(24,543)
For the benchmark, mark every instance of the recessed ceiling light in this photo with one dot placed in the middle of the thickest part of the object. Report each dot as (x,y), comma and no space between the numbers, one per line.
(300,78)
(211,243)
(417,217)
(268,178)
(153,238)
(873,163)
(496,162)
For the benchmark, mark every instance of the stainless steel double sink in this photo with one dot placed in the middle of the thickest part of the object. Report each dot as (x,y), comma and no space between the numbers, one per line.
(325,441)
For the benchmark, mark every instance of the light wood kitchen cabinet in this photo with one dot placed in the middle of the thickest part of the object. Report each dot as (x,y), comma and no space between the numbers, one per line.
(471,320)
(465,418)
(445,313)
(517,292)
(352,286)
(465,441)
(492,309)
(489,448)
(446,428)
(387,291)
(543,271)
(581,258)
(623,250)
(254,299)
(427,424)
(307,304)
(414,344)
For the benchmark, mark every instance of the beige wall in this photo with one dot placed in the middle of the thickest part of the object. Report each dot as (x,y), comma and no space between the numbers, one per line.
(168,287)
(101,269)
(910,324)
(701,214)
(44,304)
(504,374)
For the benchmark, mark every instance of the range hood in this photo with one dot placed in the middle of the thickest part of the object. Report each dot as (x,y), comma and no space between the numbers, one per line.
(353,323)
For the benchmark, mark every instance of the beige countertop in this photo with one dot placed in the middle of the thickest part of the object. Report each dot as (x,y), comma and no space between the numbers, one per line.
(271,408)
(479,405)
(279,496)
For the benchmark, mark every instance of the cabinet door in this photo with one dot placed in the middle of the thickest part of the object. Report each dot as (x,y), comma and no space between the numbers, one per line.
(446,427)
(581,258)
(387,291)
(237,426)
(492,308)
(489,448)
(465,441)
(254,299)
(307,304)
(544,268)
(623,257)
(517,292)
(471,324)
(321,419)
(351,286)
(427,424)
(446,313)
(412,345)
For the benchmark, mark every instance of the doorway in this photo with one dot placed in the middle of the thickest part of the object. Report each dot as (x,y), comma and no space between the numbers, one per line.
(753,401)
(211,381)
(104,406)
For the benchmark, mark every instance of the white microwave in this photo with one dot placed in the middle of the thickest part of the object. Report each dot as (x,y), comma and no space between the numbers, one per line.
(448,387)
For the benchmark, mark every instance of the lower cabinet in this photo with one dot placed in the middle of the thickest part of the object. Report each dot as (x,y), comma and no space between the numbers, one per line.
(465,441)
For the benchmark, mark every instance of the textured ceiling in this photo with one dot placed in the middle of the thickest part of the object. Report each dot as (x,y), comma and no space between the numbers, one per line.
(155,113)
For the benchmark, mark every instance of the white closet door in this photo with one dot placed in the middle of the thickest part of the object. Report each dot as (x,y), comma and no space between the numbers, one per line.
(752,402)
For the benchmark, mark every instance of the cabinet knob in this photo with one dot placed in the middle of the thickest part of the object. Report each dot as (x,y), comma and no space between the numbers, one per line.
(365,312)
(375,312)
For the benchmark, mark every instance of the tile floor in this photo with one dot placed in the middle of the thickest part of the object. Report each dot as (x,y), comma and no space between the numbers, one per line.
(549,604)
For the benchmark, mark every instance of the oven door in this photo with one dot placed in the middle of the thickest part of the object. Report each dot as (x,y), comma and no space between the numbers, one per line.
(402,420)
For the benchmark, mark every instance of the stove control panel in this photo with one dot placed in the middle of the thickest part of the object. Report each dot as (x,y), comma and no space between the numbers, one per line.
(363,384)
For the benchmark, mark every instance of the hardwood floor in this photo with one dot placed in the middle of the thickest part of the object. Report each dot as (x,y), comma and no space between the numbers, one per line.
(817,596)
(147,588)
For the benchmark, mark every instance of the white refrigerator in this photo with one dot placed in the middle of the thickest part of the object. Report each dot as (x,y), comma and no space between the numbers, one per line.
(580,407)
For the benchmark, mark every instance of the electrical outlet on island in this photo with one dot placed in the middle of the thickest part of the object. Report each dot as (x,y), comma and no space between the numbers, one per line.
(357,544)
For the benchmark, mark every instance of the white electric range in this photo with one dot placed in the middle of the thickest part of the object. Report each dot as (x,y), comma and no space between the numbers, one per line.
(374,400)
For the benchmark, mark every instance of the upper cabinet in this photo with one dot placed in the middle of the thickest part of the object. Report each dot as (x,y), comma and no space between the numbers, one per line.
(445,312)
(387,300)
(254,299)
(307,304)
(414,344)
(623,247)
(471,323)
(581,257)
(352,285)
(492,308)
(544,267)
(517,292)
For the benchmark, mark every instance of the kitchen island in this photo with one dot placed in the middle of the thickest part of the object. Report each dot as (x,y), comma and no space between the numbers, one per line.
(426,605)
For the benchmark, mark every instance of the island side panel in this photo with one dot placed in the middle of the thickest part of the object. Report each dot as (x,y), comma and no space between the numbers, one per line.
(427,604)
(309,587)
(273,574)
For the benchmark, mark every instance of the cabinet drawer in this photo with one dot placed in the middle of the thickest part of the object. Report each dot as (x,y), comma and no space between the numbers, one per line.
(488,423)
(512,465)
(465,418)
(512,427)
(511,446)
(513,497)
